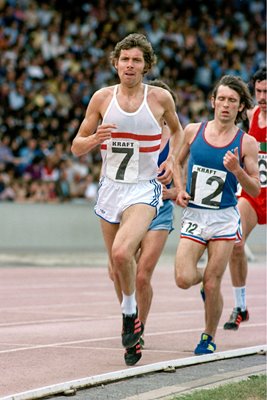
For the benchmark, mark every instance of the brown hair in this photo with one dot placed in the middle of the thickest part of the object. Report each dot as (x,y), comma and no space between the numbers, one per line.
(131,41)
(238,85)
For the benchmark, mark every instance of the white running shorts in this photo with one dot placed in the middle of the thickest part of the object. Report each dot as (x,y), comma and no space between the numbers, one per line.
(202,225)
(114,197)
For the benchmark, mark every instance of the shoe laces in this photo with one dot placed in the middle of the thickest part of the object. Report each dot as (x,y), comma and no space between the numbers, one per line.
(235,314)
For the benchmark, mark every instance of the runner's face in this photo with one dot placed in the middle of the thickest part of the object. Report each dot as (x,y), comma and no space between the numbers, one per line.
(261,94)
(130,66)
(226,104)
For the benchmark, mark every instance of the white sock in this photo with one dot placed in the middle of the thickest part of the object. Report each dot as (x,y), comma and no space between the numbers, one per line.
(128,304)
(240,297)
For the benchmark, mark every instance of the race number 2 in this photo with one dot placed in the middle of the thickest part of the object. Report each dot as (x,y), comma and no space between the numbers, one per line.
(123,161)
(207,186)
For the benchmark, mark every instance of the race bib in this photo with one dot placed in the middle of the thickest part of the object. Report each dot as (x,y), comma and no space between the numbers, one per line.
(123,161)
(190,228)
(207,186)
(262,159)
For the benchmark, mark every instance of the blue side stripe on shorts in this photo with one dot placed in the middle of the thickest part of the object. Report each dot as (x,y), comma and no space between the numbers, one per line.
(100,183)
(193,237)
(232,236)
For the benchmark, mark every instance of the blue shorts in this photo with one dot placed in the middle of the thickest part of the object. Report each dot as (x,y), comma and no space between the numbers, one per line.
(164,219)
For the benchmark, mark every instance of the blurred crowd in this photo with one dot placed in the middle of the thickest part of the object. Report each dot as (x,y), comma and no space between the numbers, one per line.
(55,55)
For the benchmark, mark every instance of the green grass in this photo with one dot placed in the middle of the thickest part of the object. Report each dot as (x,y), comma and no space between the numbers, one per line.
(253,388)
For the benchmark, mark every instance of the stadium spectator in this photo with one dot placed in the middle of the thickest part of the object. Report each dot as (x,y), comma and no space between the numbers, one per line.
(54,56)
(90,192)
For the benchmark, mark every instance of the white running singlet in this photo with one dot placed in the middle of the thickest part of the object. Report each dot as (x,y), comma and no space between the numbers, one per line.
(132,153)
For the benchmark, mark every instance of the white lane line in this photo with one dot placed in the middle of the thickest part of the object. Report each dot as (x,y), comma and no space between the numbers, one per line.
(121,349)
(89,318)
(103,339)
(54,305)
(130,372)
(81,318)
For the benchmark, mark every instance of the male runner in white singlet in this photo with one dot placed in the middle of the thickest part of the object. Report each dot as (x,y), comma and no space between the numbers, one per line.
(125,120)
(151,245)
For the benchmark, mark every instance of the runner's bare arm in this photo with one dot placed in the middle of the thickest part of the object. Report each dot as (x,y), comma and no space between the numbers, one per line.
(177,136)
(179,177)
(248,176)
(91,132)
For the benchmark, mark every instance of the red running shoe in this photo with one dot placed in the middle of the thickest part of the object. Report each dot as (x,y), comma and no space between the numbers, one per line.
(133,354)
(236,318)
(132,330)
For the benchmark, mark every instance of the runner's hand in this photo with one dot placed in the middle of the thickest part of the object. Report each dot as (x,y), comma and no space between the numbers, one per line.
(104,132)
(231,160)
(182,198)
(165,172)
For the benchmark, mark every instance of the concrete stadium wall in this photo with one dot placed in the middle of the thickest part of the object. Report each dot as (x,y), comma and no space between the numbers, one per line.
(72,227)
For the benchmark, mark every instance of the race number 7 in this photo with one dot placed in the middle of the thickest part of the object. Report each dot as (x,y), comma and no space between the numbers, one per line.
(125,161)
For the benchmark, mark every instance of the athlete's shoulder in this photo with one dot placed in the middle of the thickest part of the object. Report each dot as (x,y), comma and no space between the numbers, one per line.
(249,145)
(192,128)
(158,94)
(103,93)
(155,89)
(190,131)
(101,98)
(249,140)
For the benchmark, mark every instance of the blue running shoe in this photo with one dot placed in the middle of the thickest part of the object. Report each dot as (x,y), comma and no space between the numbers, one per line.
(205,346)
(202,292)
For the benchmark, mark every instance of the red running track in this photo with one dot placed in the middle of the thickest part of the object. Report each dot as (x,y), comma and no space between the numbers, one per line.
(60,324)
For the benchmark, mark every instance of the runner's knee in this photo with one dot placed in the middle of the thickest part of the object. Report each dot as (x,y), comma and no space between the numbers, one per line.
(183,281)
(238,251)
(212,285)
(120,256)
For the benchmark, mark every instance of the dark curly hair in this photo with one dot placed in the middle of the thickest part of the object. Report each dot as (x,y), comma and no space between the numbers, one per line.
(260,75)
